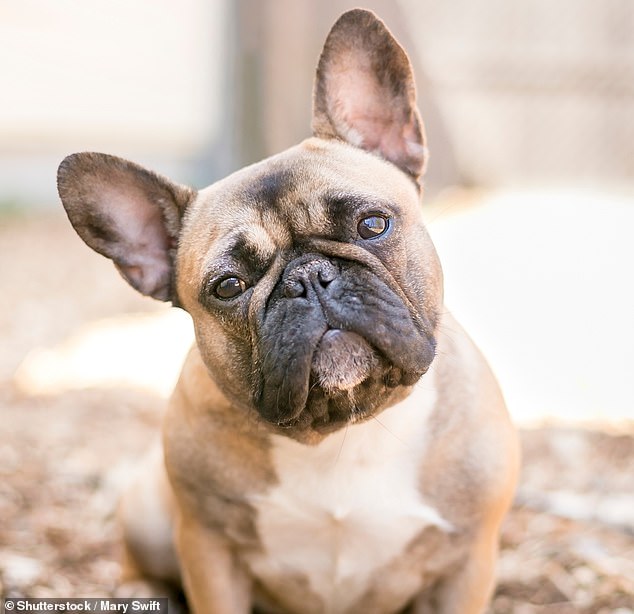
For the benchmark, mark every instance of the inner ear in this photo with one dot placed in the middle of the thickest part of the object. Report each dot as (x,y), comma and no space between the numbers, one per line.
(128,214)
(365,94)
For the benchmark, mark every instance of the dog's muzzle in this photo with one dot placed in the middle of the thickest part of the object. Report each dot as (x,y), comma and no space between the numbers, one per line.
(331,328)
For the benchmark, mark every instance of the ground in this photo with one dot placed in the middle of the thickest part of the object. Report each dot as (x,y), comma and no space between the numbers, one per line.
(65,452)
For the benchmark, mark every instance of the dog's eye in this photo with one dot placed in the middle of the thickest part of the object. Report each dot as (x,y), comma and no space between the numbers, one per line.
(229,287)
(372,226)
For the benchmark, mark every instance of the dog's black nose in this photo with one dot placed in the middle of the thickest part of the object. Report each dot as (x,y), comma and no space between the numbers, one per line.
(304,274)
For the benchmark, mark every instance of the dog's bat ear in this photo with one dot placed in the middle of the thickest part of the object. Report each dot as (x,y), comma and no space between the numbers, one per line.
(127,213)
(365,95)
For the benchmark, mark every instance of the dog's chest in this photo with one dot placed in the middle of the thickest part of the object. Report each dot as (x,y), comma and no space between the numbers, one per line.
(346,508)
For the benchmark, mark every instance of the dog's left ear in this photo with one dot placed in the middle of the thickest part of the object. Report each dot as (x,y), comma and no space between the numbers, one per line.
(128,214)
(365,95)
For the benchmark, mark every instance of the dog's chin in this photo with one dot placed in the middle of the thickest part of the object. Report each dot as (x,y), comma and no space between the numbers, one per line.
(349,382)
(342,360)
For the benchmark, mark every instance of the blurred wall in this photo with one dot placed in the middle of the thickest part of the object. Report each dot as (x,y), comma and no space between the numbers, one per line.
(532,90)
(142,79)
(280,42)
(512,93)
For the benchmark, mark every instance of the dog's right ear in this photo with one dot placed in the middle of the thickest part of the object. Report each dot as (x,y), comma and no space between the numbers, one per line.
(364,93)
(128,214)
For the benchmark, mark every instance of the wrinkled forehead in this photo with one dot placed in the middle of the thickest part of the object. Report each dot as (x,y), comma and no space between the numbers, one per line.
(298,193)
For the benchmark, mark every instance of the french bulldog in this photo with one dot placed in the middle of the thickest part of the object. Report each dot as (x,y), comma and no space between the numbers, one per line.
(336,443)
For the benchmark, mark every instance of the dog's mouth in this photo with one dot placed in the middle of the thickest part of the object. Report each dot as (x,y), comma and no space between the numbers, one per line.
(349,382)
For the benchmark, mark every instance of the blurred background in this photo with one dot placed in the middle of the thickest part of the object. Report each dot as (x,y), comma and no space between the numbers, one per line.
(529,113)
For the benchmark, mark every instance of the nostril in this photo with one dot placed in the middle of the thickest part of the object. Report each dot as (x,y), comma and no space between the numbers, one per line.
(311,275)
(326,276)
(294,288)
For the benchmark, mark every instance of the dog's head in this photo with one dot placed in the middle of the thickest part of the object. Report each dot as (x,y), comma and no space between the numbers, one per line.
(314,288)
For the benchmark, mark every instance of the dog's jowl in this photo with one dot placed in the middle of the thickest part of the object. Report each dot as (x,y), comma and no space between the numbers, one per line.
(336,443)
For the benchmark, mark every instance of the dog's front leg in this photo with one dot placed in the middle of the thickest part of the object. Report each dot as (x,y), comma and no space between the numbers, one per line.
(213,580)
(469,589)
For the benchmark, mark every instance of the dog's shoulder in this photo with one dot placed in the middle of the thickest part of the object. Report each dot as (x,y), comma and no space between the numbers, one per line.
(476,446)
(215,454)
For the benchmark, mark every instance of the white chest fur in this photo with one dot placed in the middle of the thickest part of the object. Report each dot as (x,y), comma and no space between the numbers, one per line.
(348,506)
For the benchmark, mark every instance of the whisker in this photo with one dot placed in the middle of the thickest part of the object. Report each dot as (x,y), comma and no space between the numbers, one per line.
(391,432)
(345,434)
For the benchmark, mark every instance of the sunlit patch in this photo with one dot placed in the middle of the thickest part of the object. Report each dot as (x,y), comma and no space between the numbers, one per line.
(542,280)
(141,351)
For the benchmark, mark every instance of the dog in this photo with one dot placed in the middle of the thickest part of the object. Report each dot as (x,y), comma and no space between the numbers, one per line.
(335,443)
